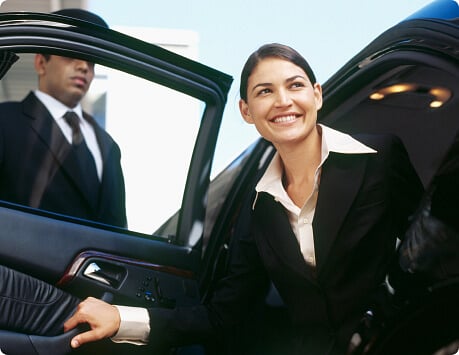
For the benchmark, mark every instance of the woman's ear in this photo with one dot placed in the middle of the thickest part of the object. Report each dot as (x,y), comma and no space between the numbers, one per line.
(318,95)
(244,108)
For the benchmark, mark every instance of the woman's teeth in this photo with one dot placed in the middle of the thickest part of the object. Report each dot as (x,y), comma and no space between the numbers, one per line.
(284,119)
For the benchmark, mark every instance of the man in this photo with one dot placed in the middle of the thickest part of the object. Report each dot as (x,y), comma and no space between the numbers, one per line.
(47,163)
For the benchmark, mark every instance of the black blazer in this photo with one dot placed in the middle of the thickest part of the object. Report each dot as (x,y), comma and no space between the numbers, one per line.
(38,167)
(363,205)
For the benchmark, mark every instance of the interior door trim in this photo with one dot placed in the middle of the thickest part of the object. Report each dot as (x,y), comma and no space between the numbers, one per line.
(81,258)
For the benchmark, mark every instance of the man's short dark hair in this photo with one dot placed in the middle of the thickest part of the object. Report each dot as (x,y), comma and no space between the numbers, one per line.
(84,15)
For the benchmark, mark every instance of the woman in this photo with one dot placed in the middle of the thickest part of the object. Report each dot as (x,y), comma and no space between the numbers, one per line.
(324,223)
(325,220)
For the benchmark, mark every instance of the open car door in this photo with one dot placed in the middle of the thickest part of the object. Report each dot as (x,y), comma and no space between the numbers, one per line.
(406,82)
(164,111)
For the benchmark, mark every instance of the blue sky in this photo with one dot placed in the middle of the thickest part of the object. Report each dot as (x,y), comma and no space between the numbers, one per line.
(327,33)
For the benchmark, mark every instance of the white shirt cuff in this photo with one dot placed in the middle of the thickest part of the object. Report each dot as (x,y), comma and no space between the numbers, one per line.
(134,326)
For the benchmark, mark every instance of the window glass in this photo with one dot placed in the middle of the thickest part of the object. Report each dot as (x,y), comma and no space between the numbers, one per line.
(154,126)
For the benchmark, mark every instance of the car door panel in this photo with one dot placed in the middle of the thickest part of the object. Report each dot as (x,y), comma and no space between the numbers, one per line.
(134,266)
(136,270)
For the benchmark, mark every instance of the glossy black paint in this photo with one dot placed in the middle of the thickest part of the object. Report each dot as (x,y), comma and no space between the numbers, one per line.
(424,50)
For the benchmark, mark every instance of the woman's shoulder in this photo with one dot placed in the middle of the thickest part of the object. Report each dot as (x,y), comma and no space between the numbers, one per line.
(379,141)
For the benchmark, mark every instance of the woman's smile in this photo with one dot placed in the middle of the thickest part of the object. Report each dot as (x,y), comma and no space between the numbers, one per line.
(284,119)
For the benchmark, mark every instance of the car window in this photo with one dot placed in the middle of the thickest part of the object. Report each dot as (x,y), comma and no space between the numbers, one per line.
(154,126)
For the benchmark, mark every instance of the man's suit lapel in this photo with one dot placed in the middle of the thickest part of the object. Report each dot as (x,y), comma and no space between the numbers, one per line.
(341,178)
(105,145)
(45,127)
(60,150)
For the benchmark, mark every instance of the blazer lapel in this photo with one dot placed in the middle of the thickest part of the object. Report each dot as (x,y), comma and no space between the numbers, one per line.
(277,233)
(105,146)
(45,127)
(341,177)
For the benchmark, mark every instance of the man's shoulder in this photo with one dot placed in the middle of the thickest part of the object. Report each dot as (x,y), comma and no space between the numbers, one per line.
(10,108)
(10,111)
(17,104)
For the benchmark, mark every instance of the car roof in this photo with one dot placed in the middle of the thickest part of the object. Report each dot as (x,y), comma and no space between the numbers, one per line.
(421,53)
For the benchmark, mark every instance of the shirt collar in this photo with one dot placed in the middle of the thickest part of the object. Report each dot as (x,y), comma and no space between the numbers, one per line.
(55,107)
(339,142)
(332,141)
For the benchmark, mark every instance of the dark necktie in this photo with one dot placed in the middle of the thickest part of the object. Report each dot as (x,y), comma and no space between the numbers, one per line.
(84,156)
(74,122)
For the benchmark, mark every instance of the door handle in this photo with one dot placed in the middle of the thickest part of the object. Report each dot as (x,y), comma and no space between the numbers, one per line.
(106,273)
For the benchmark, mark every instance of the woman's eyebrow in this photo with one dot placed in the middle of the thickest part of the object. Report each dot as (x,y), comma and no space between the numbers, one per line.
(288,80)
(294,78)
(260,84)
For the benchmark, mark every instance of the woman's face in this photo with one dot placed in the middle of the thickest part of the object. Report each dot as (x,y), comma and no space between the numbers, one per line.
(281,101)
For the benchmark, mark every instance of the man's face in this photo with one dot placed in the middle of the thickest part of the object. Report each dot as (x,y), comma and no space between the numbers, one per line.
(65,79)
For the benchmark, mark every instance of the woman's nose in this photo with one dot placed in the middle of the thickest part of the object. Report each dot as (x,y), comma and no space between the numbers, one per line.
(283,98)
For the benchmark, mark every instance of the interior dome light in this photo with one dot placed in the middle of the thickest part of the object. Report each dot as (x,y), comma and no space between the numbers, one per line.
(439,95)
(377,96)
(436,104)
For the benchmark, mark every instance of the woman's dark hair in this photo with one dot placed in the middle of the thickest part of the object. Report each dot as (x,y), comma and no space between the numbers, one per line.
(275,50)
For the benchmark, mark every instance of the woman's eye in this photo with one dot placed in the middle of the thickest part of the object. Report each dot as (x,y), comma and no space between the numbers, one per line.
(297,85)
(264,91)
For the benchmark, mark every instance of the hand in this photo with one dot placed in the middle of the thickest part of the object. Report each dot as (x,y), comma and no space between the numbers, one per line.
(103,318)
(451,349)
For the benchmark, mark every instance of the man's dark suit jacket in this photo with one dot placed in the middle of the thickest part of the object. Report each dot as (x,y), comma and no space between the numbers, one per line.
(363,205)
(38,167)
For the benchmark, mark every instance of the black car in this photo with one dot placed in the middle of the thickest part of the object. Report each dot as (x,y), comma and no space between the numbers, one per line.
(181,213)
